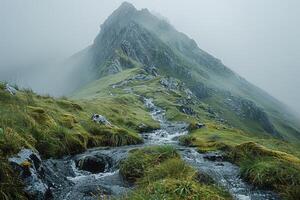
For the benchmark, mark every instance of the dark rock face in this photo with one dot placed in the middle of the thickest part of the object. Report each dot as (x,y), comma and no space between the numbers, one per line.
(248,110)
(200,90)
(94,163)
(29,165)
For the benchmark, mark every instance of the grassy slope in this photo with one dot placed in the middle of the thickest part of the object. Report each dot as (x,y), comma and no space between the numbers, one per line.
(58,127)
(216,136)
(45,123)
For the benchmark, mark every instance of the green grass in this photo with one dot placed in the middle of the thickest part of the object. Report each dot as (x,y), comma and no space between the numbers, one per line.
(140,160)
(59,126)
(160,174)
(269,169)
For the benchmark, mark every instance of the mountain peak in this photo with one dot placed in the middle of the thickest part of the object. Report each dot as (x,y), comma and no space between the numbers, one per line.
(126,7)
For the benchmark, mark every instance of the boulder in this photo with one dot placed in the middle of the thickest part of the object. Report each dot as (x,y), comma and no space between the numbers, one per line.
(100,119)
(28,165)
(94,163)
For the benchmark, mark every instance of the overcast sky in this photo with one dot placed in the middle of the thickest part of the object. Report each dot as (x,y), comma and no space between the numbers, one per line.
(259,39)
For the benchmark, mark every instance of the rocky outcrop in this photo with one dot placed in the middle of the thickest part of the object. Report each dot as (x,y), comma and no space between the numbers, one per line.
(28,165)
(246,109)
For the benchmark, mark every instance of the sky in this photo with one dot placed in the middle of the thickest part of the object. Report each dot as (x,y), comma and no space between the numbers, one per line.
(258,39)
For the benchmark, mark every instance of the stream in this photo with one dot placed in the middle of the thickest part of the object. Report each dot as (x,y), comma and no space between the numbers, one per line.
(70,182)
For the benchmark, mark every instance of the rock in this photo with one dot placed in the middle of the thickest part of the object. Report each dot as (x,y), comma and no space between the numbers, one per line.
(10,89)
(169,83)
(151,70)
(100,119)
(29,165)
(199,125)
(214,156)
(187,110)
(98,163)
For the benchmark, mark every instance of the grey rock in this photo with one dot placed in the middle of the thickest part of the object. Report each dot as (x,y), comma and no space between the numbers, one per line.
(151,70)
(29,166)
(10,89)
(187,110)
(100,119)
(170,83)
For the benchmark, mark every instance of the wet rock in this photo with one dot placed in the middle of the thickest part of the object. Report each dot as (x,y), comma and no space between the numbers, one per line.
(214,156)
(100,119)
(29,165)
(10,89)
(94,163)
(220,164)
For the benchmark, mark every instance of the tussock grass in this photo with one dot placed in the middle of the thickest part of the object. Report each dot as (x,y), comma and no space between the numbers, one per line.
(139,160)
(160,174)
(267,168)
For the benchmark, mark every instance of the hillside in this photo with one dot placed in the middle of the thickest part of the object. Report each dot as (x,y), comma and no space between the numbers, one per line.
(136,38)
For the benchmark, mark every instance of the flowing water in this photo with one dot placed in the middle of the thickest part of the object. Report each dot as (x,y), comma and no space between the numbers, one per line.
(71,183)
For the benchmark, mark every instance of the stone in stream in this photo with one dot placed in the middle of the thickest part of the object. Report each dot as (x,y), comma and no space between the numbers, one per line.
(28,165)
(98,163)
(214,156)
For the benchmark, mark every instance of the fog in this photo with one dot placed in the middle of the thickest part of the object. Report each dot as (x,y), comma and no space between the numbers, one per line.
(257,39)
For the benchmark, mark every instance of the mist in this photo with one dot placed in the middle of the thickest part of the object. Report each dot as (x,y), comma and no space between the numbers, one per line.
(257,39)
